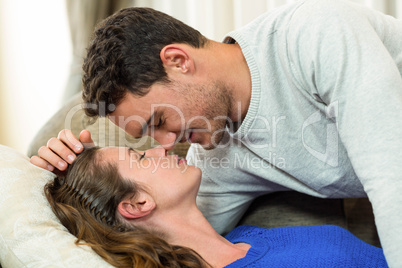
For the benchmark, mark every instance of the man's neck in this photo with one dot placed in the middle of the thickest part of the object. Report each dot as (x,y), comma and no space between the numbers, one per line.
(232,68)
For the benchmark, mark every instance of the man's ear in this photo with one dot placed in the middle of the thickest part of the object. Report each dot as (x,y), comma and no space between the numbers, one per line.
(138,207)
(176,57)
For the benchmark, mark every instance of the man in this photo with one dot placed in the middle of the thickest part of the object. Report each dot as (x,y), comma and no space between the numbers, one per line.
(307,97)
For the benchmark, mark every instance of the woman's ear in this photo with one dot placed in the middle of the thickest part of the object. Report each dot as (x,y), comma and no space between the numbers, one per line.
(138,207)
(176,57)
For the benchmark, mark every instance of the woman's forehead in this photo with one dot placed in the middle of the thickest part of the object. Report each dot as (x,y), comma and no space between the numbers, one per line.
(116,154)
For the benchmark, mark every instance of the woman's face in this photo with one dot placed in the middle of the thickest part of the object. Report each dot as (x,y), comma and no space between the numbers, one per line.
(167,178)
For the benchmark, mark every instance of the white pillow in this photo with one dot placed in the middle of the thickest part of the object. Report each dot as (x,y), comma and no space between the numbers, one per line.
(30,234)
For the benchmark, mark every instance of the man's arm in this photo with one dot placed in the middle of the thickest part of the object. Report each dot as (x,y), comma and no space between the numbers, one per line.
(342,58)
(61,151)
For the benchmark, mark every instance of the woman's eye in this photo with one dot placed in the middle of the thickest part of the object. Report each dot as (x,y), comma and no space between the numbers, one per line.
(142,156)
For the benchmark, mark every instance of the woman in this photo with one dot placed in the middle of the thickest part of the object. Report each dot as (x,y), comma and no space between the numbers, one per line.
(138,209)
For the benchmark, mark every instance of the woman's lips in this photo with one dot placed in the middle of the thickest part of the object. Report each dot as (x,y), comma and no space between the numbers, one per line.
(180,160)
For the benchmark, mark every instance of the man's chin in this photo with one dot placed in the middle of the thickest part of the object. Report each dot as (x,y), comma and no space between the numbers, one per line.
(208,146)
(207,142)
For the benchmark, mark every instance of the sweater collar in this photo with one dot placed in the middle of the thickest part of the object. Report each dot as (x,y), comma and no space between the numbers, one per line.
(257,250)
(235,37)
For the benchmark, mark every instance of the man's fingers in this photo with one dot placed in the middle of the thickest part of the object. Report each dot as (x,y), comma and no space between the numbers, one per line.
(48,155)
(85,139)
(57,154)
(37,161)
(68,138)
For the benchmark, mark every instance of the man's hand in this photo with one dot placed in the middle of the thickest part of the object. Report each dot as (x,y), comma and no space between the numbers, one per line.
(62,150)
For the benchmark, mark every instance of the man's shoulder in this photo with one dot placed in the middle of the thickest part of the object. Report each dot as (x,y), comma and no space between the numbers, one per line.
(311,10)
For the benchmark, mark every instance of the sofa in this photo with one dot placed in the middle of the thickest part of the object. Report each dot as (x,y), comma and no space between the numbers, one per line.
(31,236)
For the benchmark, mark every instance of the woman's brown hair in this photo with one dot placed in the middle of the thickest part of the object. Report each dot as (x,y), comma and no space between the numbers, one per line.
(85,201)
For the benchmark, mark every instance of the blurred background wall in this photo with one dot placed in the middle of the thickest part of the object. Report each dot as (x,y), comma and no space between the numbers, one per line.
(34,58)
(43,42)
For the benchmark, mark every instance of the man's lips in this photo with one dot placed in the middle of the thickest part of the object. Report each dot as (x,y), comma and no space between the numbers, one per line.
(190,136)
(187,137)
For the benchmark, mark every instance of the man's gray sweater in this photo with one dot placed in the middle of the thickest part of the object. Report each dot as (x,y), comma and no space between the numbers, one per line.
(324,118)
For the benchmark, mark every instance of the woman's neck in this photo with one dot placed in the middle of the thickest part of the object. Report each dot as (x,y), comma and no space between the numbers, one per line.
(195,232)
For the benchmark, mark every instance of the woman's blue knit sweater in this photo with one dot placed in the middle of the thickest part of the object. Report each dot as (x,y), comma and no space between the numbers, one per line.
(320,246)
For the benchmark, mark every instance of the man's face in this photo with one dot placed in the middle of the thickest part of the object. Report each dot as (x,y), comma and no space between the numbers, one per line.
(176,113)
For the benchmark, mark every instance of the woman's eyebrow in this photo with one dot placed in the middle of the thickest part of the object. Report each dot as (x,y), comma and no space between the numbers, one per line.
(131,150)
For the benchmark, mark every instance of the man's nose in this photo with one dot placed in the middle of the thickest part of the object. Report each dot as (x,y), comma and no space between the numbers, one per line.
(166,139)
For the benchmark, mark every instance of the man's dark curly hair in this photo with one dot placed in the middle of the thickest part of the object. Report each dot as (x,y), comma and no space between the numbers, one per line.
(124,55)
